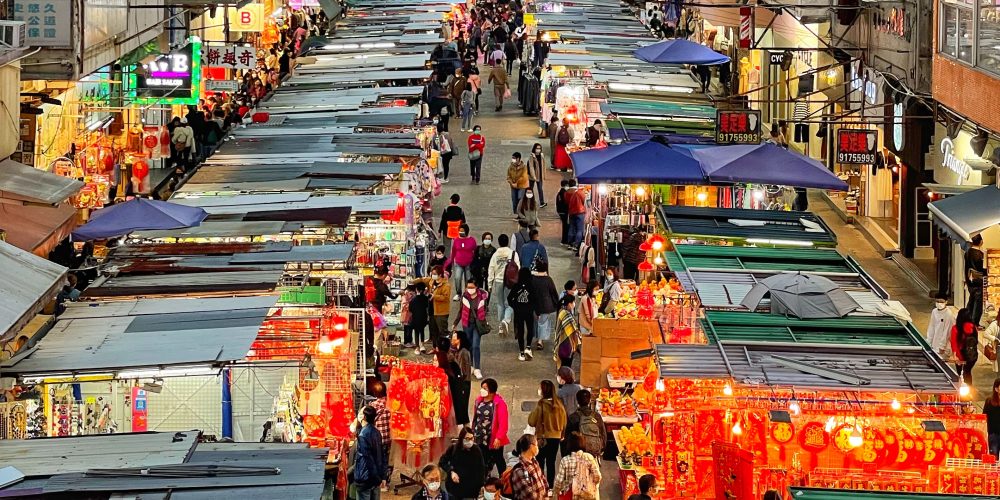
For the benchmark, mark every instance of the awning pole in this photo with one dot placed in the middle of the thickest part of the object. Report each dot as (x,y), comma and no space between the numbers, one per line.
(227,404)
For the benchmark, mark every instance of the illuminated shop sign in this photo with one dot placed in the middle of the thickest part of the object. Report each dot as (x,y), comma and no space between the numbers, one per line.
(856,146)
(737,127)
(173,78)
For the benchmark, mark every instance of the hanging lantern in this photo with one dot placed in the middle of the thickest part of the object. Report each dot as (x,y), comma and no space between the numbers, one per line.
(645,266)
(645,246)
(140,169)
(150,141)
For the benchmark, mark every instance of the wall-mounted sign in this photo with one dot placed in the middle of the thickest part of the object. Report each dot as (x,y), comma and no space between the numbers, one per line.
(173,78)
(957,165)
(230,57)
(221,85)
(856,146)
(865,84)
(898,135)
(774,58)
(49,22)
(737,127)
(140,410)
(248,18)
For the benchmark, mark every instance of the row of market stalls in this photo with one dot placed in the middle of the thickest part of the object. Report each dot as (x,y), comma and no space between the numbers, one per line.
(747,354)
(242,305)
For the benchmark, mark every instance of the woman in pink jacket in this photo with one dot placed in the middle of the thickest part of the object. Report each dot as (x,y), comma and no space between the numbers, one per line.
(489,426)
(463,252)
(472,315)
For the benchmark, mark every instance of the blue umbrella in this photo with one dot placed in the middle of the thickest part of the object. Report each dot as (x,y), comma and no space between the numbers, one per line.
(679,51)
(646,162)
(765,164)
(136,215)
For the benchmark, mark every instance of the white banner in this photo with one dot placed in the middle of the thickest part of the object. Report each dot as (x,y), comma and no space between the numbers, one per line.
(230,56)
(49,22)
(221,85)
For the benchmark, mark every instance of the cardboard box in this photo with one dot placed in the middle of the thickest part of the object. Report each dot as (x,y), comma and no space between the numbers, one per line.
(627,329)
(591,374)
(591,349)
(622,348)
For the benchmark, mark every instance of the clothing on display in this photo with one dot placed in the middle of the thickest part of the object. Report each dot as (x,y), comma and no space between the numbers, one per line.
(745,68)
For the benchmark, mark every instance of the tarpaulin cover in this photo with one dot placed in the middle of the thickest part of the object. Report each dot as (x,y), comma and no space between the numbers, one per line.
(801,295)
(138,214)
(765,164)
(652,161)
(966,214)
(679,51)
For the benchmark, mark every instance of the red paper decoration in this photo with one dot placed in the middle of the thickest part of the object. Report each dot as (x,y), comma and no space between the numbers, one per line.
(140,169)
(150,141)
(782,432)
(813,437)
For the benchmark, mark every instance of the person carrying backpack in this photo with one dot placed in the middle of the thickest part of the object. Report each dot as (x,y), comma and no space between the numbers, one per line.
(588,423)
(501,276)
(579,476)
(521,299)
(525,480)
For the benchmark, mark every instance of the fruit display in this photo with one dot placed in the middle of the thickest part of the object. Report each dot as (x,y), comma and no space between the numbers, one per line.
(613,403)
(634,441)
(629,370)
(639,299)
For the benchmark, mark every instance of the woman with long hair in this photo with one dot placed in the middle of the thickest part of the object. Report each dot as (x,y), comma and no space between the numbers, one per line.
(577,462)
(527,210)
(463,466)
(521,299)
(991,408)
(588,307)
(612,292)
(549,420)
(471,316)
(536,171)
(460,375)
(965,344)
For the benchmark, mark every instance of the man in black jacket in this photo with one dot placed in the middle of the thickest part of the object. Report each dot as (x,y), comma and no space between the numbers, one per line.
(562,208)
(452,213)
(370,464)
(546,304)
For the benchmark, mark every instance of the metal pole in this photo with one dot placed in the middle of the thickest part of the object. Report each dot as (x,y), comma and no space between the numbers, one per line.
(227,403)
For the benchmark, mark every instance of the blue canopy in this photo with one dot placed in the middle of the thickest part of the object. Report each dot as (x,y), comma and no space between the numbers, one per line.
(765,164)
(679,51)
(647,162)
(138,214)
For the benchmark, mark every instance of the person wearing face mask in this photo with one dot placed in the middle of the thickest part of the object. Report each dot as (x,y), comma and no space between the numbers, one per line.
(463,467)
(440,289)
(491,490)
(587,309)
(472,319)
(490,422)
(481,262)
(517,178)
(549,420)
(612,293)
(595,134)
(370,464)
(536,171)
(477,149)
(568,337)
(459,369)
(438,259)
(647,488)
(463,253)
(939,326)
(527,210)
(527,479)
(430,478)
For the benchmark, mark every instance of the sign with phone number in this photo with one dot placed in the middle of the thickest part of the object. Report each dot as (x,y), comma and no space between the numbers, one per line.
(737,127)
(856,146)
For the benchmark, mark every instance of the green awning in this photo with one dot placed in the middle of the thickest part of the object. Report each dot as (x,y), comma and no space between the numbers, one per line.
(761,259)
(799,493)
(727,326)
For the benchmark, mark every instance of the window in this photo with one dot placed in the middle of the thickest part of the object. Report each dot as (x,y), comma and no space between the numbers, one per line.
(988,53)
(956,36)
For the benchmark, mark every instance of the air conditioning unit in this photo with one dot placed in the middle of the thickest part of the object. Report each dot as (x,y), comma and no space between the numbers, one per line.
(12,35)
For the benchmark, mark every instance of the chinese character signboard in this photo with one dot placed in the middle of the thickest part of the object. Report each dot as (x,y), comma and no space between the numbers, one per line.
(230,57)
(222,85)
(737,127)
(856,146)
(49,22)
(140,410)
(173,78)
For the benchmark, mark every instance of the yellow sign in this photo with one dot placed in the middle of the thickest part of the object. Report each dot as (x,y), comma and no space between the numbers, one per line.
(529,19)
(249,18)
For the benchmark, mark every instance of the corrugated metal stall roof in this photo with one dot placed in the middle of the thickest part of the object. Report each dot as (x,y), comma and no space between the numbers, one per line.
(27,283)
(742,327)
(47,457)
(218,171)
(864,368)
(717,223)
(180,283)
(801,493)
(240,204)
(770,259)
(107,337)
(219,229)
(24,182)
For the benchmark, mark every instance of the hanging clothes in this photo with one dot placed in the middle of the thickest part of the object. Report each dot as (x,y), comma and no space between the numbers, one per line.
(744,75)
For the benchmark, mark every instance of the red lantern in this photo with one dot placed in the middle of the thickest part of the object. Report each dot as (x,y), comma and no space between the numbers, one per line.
(140,169)
(150,141)
(261,117)
(645,266)
(243,110)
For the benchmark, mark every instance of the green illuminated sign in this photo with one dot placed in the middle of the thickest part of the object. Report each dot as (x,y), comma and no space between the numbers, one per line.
(173,78)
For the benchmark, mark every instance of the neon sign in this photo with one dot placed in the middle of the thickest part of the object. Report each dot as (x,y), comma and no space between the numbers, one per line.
(173,78)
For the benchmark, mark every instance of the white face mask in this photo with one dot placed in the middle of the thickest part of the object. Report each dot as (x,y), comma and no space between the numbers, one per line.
(940,305)
(559,380)
(483,393)
(468,443)
(529,196)
(434,486)
(513,160)
(487,242)
(539,393)
(489,495)
(434,276)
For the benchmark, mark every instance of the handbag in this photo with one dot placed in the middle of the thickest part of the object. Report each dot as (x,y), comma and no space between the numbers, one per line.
(990,351)
(506,93)
(475,154)
(483,326)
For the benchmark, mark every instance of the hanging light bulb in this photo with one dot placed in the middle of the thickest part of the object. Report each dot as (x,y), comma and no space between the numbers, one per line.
(602,189)
(855,439)
(657,245)
(701,197)
(640,191)
(758,195)
(737,429)
(727,390)
(895,404)
(793,407)
(658,260)
(964,390)
(660,385)
(830,423)
(911,410)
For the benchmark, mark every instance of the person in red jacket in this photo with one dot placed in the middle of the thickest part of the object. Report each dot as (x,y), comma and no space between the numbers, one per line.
(576,206)
(965,344)
(463,252)
(477,148)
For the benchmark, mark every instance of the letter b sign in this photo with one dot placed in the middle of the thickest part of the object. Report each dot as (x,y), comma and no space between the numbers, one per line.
(249,18)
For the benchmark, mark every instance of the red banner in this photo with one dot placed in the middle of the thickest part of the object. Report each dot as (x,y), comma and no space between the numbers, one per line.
(733,472)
